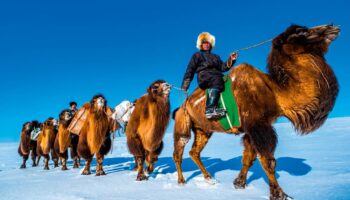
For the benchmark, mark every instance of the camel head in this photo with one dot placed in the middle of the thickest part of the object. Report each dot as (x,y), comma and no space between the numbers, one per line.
(98,102)
(300,39)
(65,117)
(27,127)
(159,89)
(36,124)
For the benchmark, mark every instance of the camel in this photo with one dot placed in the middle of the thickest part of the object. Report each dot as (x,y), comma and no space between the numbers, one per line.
(94,135)
(65,139)
(27,145)
(46,140)
(147,125)
(299,85)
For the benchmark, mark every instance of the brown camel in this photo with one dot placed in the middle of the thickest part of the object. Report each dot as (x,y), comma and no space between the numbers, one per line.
(147,125)
(65,139)
(46,140)
(94,136)
(300,85)
(27,145)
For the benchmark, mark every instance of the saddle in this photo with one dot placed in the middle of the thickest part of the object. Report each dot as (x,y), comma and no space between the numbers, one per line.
(228,102)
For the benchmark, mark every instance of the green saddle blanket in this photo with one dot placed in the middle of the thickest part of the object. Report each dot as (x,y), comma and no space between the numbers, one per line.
(228,102)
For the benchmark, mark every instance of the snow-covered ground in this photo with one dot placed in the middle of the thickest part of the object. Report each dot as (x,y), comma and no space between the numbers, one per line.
(316,166)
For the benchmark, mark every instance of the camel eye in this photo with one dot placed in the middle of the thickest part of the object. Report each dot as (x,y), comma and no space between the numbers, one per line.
(155,87)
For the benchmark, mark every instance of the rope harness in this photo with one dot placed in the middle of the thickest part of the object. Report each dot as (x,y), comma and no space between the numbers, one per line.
(253,46)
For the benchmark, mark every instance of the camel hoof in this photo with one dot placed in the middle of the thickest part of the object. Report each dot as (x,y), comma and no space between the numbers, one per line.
(46,168)
(75,166)
(86,172)
(64,168)
(100,173)
(141,177)
(149,170)
(23,166)
(280,195)
(210,181)
(34,165)
(181,181)
(239,183)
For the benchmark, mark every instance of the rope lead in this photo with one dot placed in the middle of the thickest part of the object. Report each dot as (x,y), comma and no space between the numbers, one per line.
(253,46)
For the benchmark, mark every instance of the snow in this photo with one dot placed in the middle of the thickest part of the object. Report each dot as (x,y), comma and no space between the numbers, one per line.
(315,166)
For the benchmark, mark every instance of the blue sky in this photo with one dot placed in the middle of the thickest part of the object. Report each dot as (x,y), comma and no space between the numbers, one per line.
(52,52)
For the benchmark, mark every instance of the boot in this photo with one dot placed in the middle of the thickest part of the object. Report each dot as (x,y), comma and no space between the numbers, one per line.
(212,110)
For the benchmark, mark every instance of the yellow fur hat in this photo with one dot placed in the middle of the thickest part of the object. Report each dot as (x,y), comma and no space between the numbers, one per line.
(205,36)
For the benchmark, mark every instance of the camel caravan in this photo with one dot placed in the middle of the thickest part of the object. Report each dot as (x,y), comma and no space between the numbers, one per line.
(300,85)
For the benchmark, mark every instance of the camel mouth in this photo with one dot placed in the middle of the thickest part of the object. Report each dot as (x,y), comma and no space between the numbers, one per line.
(67,118)
(100,102)
(55,122)
(330,32)
(166,88)
(27,126)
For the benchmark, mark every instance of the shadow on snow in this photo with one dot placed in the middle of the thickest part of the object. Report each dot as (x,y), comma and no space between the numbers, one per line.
(293,166)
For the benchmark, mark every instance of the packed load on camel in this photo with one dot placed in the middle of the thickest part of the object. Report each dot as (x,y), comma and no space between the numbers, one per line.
(122,112)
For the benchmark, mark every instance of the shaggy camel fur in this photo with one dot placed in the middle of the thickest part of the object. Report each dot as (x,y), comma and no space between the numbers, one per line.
(147,125)
(65,139)
(300,85)
(46,140)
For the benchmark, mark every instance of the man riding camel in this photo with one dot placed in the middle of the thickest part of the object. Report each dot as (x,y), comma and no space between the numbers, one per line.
(73,107)
(209,68)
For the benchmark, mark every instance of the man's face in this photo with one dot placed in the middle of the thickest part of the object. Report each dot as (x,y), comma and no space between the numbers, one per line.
(74,107)
(206,46)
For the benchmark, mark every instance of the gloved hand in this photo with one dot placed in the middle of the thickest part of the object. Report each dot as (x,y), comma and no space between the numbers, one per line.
(234,56)
(185,85)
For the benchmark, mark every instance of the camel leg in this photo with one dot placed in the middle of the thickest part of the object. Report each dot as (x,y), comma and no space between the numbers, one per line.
(76,162)
(86,170)
(136,148)
(38,160)
(63,159)
(179,146)
(140,160)
(249,156)
(200,140)
(74,151)
(268,163)
(264,138)
(54,158)
(135,166)
(25,158)
(46,162)
(99,166)
(34,155)
(152,158)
